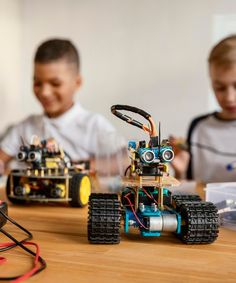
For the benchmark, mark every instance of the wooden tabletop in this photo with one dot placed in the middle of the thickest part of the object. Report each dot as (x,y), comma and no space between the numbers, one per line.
(61,232)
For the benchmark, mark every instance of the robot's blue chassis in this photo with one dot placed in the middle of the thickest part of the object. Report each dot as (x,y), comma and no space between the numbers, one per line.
(148,213)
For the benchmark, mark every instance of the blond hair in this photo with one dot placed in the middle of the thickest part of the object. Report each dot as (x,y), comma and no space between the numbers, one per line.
(223,54)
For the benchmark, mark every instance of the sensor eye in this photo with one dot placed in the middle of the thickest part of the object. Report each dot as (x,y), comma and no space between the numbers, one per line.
(34,156)
(21,156)
(167,155)
(148,156)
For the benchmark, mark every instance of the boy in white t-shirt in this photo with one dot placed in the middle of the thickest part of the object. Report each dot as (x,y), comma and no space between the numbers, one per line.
(57,77)
(211,137)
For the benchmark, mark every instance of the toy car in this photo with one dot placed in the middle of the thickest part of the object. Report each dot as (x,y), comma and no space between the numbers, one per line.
(48,176)
(145,202)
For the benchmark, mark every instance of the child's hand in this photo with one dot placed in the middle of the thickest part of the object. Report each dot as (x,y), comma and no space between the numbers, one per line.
(178,144)
(2,167)
(52,145)
(4,159)
(181,159)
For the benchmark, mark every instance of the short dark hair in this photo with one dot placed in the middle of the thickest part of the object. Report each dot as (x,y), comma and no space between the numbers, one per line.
(56,49)
(223,54)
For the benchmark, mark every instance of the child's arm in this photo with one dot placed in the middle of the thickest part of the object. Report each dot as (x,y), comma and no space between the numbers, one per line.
(4,159)
(180,164)
(181,160)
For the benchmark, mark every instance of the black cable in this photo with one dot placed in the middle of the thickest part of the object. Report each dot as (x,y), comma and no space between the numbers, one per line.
(41,260)
(126,170)
(128,119)
(30,236)
(20,244)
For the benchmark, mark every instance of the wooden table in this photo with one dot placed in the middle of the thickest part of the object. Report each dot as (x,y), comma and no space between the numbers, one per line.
(61,232)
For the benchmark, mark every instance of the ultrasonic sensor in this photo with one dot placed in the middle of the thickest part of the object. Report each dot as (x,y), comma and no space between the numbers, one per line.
(148,156)
(167,155)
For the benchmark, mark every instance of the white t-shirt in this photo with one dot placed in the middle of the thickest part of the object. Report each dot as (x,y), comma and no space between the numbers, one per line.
(212,147)
(81,133)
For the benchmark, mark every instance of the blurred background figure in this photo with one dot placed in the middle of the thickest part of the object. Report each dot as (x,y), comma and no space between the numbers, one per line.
(210,145)
(81,133)
(111,161)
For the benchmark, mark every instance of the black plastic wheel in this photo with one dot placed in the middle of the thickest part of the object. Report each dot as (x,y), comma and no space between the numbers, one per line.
(79,190)
(8,191)
(104,217)
(199,222)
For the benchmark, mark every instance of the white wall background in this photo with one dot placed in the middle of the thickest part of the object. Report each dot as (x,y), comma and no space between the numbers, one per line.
(147,53)
(10,61)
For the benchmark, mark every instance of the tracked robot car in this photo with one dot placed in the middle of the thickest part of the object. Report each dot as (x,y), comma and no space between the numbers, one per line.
(48,176)
(145,202)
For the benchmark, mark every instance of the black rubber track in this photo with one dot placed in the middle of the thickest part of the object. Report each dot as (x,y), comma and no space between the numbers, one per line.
(200,222)
(104,216)
(179,199)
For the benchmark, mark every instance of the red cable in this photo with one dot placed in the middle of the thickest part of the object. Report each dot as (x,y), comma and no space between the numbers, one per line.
(36,261)
(150,196)
(136,216)
(35,268)
(146,193)
(2,260)
(4,245)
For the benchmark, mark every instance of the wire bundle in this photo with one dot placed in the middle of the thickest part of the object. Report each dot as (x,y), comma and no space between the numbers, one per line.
(39,262)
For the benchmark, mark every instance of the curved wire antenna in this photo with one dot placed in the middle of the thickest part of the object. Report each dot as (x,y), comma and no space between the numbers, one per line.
(22,141)
(159,134)
(152,131)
